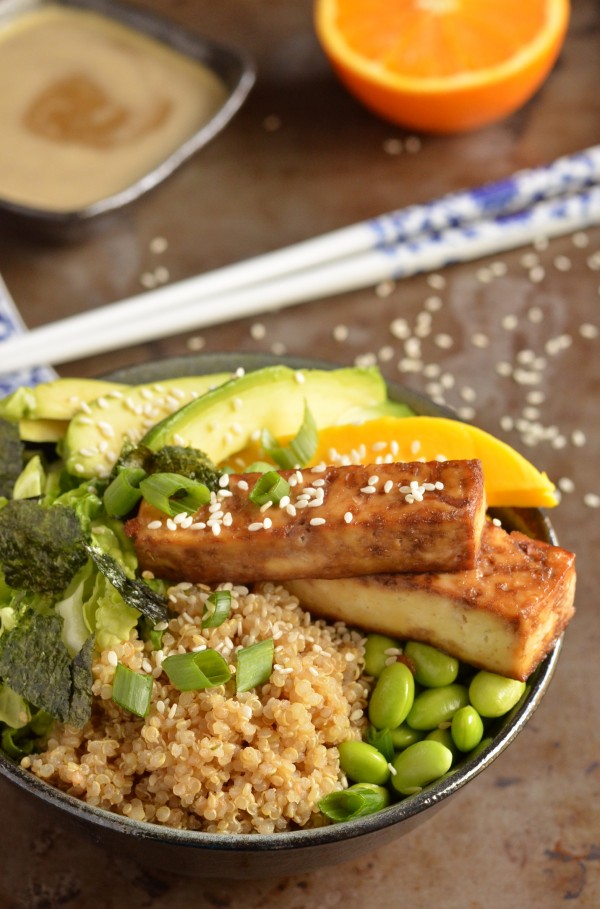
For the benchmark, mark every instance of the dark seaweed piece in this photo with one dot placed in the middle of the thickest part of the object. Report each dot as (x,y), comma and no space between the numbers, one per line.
(189,462)
(135,593)
(40,548)
(11,457)
(35,663)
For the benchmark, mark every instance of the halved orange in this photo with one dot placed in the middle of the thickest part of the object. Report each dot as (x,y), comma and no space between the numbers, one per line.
(442,66)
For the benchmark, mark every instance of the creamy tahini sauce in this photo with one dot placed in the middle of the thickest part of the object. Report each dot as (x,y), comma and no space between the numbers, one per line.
(89,106)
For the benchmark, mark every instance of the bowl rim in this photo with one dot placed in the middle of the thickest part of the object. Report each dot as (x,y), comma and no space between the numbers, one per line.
(220,58)
(409,807)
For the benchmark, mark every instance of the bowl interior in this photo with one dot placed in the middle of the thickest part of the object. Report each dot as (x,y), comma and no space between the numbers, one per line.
(253,855)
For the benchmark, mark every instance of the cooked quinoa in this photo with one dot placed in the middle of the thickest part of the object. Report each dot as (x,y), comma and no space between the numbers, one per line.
(213,760)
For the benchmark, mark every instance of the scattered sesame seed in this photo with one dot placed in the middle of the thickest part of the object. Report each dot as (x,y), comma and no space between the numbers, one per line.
(300,377)
(578,438)
(348,517)
(256,525)
(385,288)
(566,484)
(479,339)
(400,329)
(258,331)
(535,314)
(537,274)
(316,522)
(443,341)
(591,500)
(580,240)
(196,342)
(388,486)
(412,144)
(154,525)
(242,484)
(341,333)
(373,480)
(171,525)
(588,331)
(158,245)
(393,146)
(562,263)
(368,490)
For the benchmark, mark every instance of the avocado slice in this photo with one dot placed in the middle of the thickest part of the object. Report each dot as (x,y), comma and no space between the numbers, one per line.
(42,430)
(224,420)
(59,399)
(96,435)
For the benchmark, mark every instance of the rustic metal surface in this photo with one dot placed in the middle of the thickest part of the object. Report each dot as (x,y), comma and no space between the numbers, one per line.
(302,158)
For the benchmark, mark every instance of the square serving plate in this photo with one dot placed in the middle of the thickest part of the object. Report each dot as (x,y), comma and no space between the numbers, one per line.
(233,67)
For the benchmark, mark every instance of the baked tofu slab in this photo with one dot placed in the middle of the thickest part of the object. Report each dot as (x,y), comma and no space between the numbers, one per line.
(504,615)
(339,522)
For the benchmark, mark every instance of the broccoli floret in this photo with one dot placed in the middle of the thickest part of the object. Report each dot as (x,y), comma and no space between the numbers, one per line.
(188,462)
(11,456)
(40,548)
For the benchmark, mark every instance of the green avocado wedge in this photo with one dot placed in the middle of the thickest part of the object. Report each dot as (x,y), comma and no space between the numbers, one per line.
(95,436)
(59,399)
(224,420)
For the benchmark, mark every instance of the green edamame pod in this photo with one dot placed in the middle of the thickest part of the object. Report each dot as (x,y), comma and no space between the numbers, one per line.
(377,647)
(403,736)
(392,697)
(363,763)
(356,801)
(419,765)
(494,695)
(467,728)
(433,667)
(444,737)
(436,706)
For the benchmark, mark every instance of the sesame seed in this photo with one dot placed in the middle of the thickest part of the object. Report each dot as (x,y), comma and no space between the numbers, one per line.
(106,429)
(256,525)
(316,522)
(578,438)
(171,525)
(242,484)
(348,517)
(319,482)
(479,339)
(258,331)
(389,485)
(341,333)
(216,529)
(373,480)
(199,525)
(591,500)
(368,490)
(566,484)
(436,282)
(588,331)
(443,341)
(154,525)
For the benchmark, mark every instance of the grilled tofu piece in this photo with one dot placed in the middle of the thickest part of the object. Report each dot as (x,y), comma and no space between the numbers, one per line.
(339,522)
(503,616)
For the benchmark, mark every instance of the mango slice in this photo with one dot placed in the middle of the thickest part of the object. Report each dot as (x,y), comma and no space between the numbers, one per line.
(510,479)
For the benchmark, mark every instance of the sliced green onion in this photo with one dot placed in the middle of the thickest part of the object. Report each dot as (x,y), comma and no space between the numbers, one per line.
(14,746)
(123,494)
(382,740)
(173,493)
(299,450)
(216,609)
(258,467)
(131,690)
(357,801)
(254,665)
(271,487)
(195,671)
(148,632)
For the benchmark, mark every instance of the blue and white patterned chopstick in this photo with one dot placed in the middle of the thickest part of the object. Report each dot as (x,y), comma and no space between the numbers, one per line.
(11,325)
(554,200)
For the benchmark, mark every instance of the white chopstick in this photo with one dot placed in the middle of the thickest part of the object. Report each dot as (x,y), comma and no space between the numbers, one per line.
(486,237)
(233,289)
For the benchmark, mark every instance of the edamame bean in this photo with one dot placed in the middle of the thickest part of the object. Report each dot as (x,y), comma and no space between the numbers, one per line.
(376,657)
(403,736)
(494,695)
(419,765)
(433,668)
(444,737)
(467,728)
(437,705)
(392,697)
(356,801)
(363,763)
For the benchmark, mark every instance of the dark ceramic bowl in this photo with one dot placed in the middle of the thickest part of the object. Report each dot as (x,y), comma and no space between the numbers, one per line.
(247,856)
(233,67)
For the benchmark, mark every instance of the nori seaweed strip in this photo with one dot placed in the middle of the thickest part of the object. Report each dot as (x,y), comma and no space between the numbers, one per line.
(135,593)
(35,663)
(40,548)
(11,457)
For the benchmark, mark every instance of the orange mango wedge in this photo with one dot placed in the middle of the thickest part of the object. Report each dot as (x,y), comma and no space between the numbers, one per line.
(510,479)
